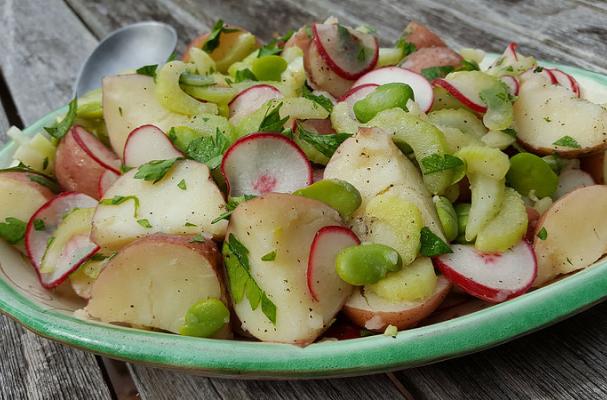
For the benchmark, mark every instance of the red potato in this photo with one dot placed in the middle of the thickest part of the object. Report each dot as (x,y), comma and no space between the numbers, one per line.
(300,39)
(155,280)
(372,312)
(422,37)
(431,57)
(596,166)
(81,160)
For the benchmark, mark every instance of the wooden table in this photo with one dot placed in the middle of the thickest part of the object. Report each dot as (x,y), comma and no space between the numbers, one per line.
(44,42)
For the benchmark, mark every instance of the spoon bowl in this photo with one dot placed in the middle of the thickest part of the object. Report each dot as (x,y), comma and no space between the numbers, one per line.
(127,48)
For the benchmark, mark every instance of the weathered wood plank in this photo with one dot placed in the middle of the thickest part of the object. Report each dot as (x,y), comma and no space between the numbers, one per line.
(566,361)
(157,384)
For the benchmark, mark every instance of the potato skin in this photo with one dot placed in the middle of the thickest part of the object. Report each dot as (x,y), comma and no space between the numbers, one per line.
(431,57)
(21,178)
(594,164)
(422,37)
(409,316)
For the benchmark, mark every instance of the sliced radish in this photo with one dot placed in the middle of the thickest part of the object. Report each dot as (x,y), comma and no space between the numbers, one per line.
(76,251)
(468,99)
(265,162)
(105,181)
(348,53)
(422,89)
(357,93)
(95,149)
(512,83)
(321,275)
(318,174)
(565,80)
(148,143)
(51,214)
(511,51)
(493,277)
(250,100)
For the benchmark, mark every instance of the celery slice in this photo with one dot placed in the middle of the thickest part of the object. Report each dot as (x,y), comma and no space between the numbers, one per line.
(487,197)
(414,282)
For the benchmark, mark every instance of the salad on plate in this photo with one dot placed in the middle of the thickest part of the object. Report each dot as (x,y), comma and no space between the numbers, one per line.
(266,191)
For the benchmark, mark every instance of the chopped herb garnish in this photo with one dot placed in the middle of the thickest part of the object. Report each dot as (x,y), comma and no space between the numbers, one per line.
(271,256)
(124,169)
(208,150)
(35,176)
(547,119)
(182,185)
(98,257)
(271,121)
(510,132)
(12,230)
(147,70)
(39,225)
(117,200)
(439,162)
(213,40)
(270,49)
(538,69)
(190,224)
(469,65)
(240,280)
(567,141)
(233,202)
(199,238)
(542,234)
(321,100)
(59,130)
(145,223)
(45,163)
(326,144)
(244,75)
(432,73)
(432,245)
(406,47)
(154,170)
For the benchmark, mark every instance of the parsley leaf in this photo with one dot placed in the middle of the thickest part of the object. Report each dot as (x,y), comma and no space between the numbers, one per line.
(406,47)
(275,46)
(117,200)
(182,185)
(208,150)
(326,144)
(244,75)
(271,121)
(12,230)
(469,65)
(147,70)
(321,100)
(213,40)
(145,223)
(432,245)
(199,238)
(39,225)
(35,176)
(59,130)
(432,73)
(190,224)
(439,162)
(233,202)
(241,283)
(542,234)
(155,170)
(510,132)
(567,141)
(271,256)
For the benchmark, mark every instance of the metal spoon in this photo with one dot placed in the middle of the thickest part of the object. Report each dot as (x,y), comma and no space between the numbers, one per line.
(129,47)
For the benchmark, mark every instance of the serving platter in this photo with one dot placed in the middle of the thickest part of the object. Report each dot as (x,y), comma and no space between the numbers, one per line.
(51,314)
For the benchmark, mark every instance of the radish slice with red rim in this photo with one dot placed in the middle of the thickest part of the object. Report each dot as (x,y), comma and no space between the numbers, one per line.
(565,80)
(321,275)
(422,89)
(51,214)
(493,277)
(251,99)
(471,101)
(265,162)
(348,53)
(148,143)
(75,252)
(512,83)
(95,149)
(106,180)
(357,93)
(511,51)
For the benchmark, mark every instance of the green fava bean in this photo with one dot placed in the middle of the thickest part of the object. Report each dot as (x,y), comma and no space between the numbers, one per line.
(385,97)
(205,318)
(447,216)
(337,194)
(268,68)
(366,263)
(529,172)
(462,210)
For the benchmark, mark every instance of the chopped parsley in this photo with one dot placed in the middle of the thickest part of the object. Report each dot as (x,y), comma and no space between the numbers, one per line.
(233,202)
(325,144)
(35,176)
(117,200)
(190,224)
(208,150)
(406,47)
(510,132)
(432,245)
(199,238)
(45,163)
(567,141)
(213,40)
(147,70)
(182,185)
(432,73)
(241,283)
(244,75)
(12,230)
(59,130)
(155,170)
(271,121)
(547,119)
(39,225)
(145,223)
(439,162)
(271,256)
(321,100)
(542,234)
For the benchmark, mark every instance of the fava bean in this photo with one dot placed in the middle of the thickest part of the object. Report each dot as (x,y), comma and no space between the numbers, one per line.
(462,210)
(385,97)
(447,216)
(366,263)
(205,318)
(335,193)
(268,68)
(529,172)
